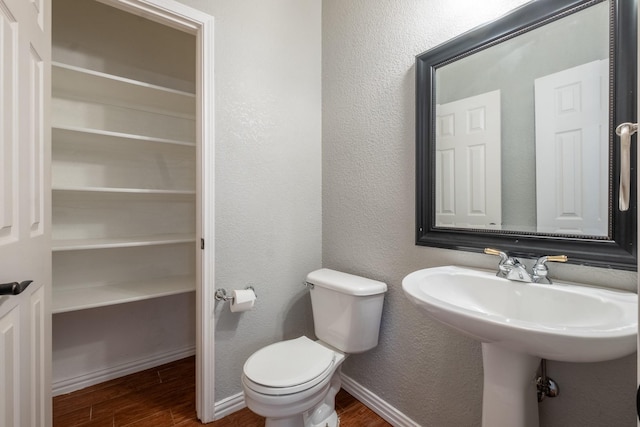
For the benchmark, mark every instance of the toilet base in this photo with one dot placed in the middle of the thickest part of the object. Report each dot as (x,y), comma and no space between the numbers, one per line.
(324,414)
(331,421)
(298,421)
(295,421)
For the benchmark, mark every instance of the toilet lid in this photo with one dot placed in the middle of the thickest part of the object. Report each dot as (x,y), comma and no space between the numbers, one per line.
(288,363)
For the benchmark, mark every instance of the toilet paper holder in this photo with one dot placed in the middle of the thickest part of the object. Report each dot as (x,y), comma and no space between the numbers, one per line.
(221,294)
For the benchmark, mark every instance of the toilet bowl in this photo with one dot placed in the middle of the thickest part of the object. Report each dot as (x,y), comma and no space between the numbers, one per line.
(293,383)
(289,383)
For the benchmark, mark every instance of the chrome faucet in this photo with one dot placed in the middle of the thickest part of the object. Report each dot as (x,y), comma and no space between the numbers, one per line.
(540,269)
(512,269)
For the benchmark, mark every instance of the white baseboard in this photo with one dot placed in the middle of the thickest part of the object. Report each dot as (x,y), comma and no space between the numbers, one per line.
(370,400)
(68,385)
(229,405)
(376,404)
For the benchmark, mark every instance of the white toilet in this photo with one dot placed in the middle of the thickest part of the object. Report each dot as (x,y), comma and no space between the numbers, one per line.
(293,383)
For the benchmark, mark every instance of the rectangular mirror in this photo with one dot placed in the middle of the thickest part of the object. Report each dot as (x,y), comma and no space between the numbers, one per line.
(515,134)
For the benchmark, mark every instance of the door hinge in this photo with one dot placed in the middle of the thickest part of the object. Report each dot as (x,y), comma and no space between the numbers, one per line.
(202,244)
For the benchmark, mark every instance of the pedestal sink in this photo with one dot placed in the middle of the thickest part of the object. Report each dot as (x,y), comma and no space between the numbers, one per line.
(520,323)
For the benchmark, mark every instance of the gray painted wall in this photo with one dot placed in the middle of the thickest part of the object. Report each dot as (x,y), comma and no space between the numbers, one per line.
(268,179)
(426,370)
(287,204)
(268,218)
(268,193)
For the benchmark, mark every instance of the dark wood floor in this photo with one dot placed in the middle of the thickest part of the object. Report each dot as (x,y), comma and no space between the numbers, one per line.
(165,397)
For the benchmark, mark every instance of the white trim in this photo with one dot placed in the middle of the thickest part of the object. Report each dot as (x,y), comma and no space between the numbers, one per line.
(91,378)
(193,21)
(377,404)
(166,12)
(230,405)
(372,401)
(205,288)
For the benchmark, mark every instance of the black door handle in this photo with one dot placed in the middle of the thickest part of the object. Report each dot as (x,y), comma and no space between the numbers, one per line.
(14,288)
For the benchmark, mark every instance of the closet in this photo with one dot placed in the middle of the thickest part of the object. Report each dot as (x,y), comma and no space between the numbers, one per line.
(123,178)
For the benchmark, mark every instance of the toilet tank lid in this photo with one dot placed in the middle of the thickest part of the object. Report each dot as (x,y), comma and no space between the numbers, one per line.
(345,283)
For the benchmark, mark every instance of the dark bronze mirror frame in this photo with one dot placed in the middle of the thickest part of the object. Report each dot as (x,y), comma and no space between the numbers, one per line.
(618,250)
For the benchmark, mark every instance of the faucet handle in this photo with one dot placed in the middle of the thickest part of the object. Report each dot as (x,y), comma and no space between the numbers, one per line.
(490,251)
(551,258)
(540,269)
(505,264)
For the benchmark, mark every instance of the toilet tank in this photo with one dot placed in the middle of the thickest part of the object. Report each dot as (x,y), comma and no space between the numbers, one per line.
(346,309)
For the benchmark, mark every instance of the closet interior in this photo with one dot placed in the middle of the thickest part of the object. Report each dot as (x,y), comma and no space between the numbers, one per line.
(124,158)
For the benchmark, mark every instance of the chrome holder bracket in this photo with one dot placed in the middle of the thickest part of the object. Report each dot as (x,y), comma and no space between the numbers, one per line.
(221,294)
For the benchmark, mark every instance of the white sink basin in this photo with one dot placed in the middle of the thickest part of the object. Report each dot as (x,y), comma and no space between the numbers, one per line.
(519,323)
(563,322)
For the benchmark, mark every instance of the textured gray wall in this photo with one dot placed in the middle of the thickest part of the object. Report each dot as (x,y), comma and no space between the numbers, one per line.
(268,179)
(268,199)
(271,204)
(425,370)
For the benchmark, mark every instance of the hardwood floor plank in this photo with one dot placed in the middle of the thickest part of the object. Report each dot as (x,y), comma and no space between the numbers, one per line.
(159,419)
(72,417)
(165,397)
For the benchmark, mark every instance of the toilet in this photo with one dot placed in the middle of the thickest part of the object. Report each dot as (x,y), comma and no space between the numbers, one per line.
(293,383)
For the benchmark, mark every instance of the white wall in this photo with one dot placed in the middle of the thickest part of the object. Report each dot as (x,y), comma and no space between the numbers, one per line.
(422,368)
(97,344)
(268,180)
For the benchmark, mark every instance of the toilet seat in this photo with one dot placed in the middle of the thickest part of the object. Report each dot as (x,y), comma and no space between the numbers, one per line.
(288,366)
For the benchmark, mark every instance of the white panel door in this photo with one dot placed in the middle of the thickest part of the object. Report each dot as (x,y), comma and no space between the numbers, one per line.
(572,156)
(468,136)
(25,335)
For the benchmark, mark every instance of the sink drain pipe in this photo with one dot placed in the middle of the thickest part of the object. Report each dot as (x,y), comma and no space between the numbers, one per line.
(545,385)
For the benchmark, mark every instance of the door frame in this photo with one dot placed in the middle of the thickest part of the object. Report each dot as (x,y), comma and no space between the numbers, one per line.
(200,24)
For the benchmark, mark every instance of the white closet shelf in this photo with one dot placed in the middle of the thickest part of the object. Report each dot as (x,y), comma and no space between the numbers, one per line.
(69,81)
(73,299)
(120,242)
(118,141)
(104,137)
(124,191)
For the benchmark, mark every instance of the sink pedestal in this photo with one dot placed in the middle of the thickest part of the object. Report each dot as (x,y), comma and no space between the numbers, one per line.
(510,396)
